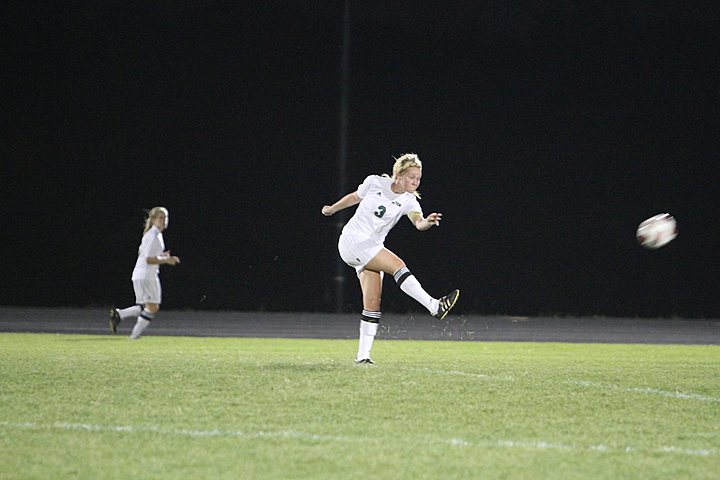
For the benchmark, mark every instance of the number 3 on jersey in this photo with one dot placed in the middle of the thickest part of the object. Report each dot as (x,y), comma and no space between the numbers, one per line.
(380,211)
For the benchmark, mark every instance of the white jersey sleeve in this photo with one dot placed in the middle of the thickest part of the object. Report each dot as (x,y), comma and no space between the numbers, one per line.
(363,188)
(414,206)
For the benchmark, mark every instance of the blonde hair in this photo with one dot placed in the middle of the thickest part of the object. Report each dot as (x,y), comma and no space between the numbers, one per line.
(405,162)
(152,215)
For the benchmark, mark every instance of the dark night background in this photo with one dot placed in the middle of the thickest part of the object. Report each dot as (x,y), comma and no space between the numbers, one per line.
(548,131)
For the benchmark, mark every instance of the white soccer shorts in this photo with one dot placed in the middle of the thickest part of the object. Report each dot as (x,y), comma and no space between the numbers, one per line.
(357,252)
(147,291)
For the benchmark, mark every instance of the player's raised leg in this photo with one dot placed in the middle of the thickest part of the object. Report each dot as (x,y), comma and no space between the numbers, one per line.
(387,261)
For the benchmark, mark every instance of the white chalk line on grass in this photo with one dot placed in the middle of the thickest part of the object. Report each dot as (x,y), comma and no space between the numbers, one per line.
(306,436)
(180,432)
(583,383)
(645,390)
(460,373)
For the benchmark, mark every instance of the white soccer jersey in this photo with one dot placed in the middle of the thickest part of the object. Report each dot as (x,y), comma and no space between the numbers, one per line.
(380,209)
(152,245)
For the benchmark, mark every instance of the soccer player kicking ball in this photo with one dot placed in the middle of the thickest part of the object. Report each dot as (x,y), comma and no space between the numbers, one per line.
(381,201)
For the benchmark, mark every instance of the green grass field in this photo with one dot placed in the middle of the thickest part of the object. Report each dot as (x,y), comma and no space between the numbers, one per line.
(93,407)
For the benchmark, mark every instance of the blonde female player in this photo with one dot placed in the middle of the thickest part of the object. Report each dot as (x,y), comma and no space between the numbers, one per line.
(382,201)
(146,275)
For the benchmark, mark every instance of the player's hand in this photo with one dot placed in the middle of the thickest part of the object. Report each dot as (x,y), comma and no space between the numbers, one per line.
(173,260)
(434,219)
(327,210)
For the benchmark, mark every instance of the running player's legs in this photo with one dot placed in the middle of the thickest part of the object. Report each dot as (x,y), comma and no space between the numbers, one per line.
(149,294)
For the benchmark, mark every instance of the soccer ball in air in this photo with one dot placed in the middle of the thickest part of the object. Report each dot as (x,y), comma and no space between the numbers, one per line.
(657,231)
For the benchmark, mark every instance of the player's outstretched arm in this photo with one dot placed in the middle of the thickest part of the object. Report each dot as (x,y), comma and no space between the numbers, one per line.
(432,220)
(163,260)
(347,201)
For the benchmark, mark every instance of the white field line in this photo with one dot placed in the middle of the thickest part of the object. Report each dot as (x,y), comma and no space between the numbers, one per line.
(480,376)
(582,383)
(305,436)
(172,431)
(645,390)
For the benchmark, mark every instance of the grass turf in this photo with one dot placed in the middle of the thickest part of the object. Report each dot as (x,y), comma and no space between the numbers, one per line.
(74,406)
